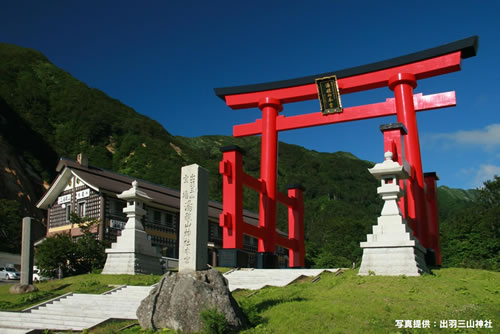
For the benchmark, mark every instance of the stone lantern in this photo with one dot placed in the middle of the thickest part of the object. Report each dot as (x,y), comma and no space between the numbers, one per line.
(391,249)
(132,253)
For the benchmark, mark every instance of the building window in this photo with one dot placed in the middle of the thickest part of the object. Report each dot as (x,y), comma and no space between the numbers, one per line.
(117,207)
(68,212)
(157,217)
(170,220)
(81,209)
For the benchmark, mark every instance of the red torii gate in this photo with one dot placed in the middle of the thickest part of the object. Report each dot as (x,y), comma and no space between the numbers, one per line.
(400,75)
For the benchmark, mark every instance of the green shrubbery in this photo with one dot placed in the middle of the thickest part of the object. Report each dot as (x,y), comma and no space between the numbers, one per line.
(214,322)
(469,237)
(61,253)
(10,218)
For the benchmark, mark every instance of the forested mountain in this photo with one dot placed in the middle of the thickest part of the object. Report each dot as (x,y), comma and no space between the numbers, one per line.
(47,114)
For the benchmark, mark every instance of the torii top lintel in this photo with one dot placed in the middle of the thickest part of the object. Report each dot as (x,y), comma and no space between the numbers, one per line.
(423,64)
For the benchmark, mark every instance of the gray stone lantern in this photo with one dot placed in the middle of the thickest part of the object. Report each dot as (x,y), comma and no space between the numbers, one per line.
(389,173)
(135,206)
(391,249)
(132,253)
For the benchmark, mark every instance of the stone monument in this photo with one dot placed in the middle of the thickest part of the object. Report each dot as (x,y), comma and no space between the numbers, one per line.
(193,235)
(132,252)
(26,281)
(391,250)
(177,301)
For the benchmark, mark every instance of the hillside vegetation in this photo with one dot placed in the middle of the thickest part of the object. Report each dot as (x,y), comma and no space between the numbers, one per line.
(47,114)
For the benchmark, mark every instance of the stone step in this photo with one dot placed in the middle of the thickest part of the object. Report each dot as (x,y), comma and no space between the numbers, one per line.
(57,316)
(86,313)
(28,320)
(116,309)
(131,292)
(6,330)
(254,279)
(87,310)
(96,304)
(92,298)
(17,316)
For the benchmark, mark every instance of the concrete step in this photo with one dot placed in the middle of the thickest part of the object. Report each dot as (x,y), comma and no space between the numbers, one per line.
(254,279)
(137,293)
(6,330)
(29,324)
(122,314)
(55,316)
(97,303)
(86,299)
(97,307)
(114,311)
(75,312)
(49,318)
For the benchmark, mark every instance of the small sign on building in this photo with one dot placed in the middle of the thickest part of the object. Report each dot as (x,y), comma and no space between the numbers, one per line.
(64,199)
(329,95)
(83,194)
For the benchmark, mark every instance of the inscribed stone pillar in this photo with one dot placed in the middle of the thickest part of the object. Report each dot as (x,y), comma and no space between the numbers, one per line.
(193,251)
(27,253)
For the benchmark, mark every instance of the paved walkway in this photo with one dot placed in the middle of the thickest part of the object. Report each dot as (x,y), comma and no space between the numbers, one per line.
(75,311)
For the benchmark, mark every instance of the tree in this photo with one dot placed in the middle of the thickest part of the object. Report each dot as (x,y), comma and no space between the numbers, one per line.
(11,226)
(90,250)
(56,252)
(83,255)
(469,237)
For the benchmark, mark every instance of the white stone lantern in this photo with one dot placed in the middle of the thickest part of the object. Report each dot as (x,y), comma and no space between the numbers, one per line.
(391,249)
(389,173)
(135,206)
(132,253)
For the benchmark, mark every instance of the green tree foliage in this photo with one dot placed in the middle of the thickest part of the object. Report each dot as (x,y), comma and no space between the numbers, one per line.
(10,226)
(84,255)
(469,238)
(90,250)
(56,252)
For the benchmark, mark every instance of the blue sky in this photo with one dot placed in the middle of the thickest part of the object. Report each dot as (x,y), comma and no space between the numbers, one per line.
(163,58)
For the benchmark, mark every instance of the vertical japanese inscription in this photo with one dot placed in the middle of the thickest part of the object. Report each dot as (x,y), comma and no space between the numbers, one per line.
(329,95)
(193,232)
(189,196)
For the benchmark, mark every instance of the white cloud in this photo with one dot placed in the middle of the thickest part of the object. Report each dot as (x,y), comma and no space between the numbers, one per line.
(485,173)
(477,176)
(487,138)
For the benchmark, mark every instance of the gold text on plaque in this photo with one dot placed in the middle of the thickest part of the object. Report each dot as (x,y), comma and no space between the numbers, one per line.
(328,95)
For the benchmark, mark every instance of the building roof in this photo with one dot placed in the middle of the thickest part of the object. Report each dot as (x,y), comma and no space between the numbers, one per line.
(468,47)
(109,182)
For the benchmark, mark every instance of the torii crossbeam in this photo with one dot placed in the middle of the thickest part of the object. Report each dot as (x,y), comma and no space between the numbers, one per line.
(399,74)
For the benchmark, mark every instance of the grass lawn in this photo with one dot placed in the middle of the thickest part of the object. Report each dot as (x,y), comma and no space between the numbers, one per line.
(352,304)
(348,303)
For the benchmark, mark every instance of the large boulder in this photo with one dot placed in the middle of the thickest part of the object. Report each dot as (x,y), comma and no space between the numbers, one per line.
(179,298)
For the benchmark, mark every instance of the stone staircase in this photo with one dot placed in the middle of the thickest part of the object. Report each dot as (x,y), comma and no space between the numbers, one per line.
(75,311)
(254,279)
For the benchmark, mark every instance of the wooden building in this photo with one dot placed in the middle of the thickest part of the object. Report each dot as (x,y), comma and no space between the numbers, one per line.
(91,192)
